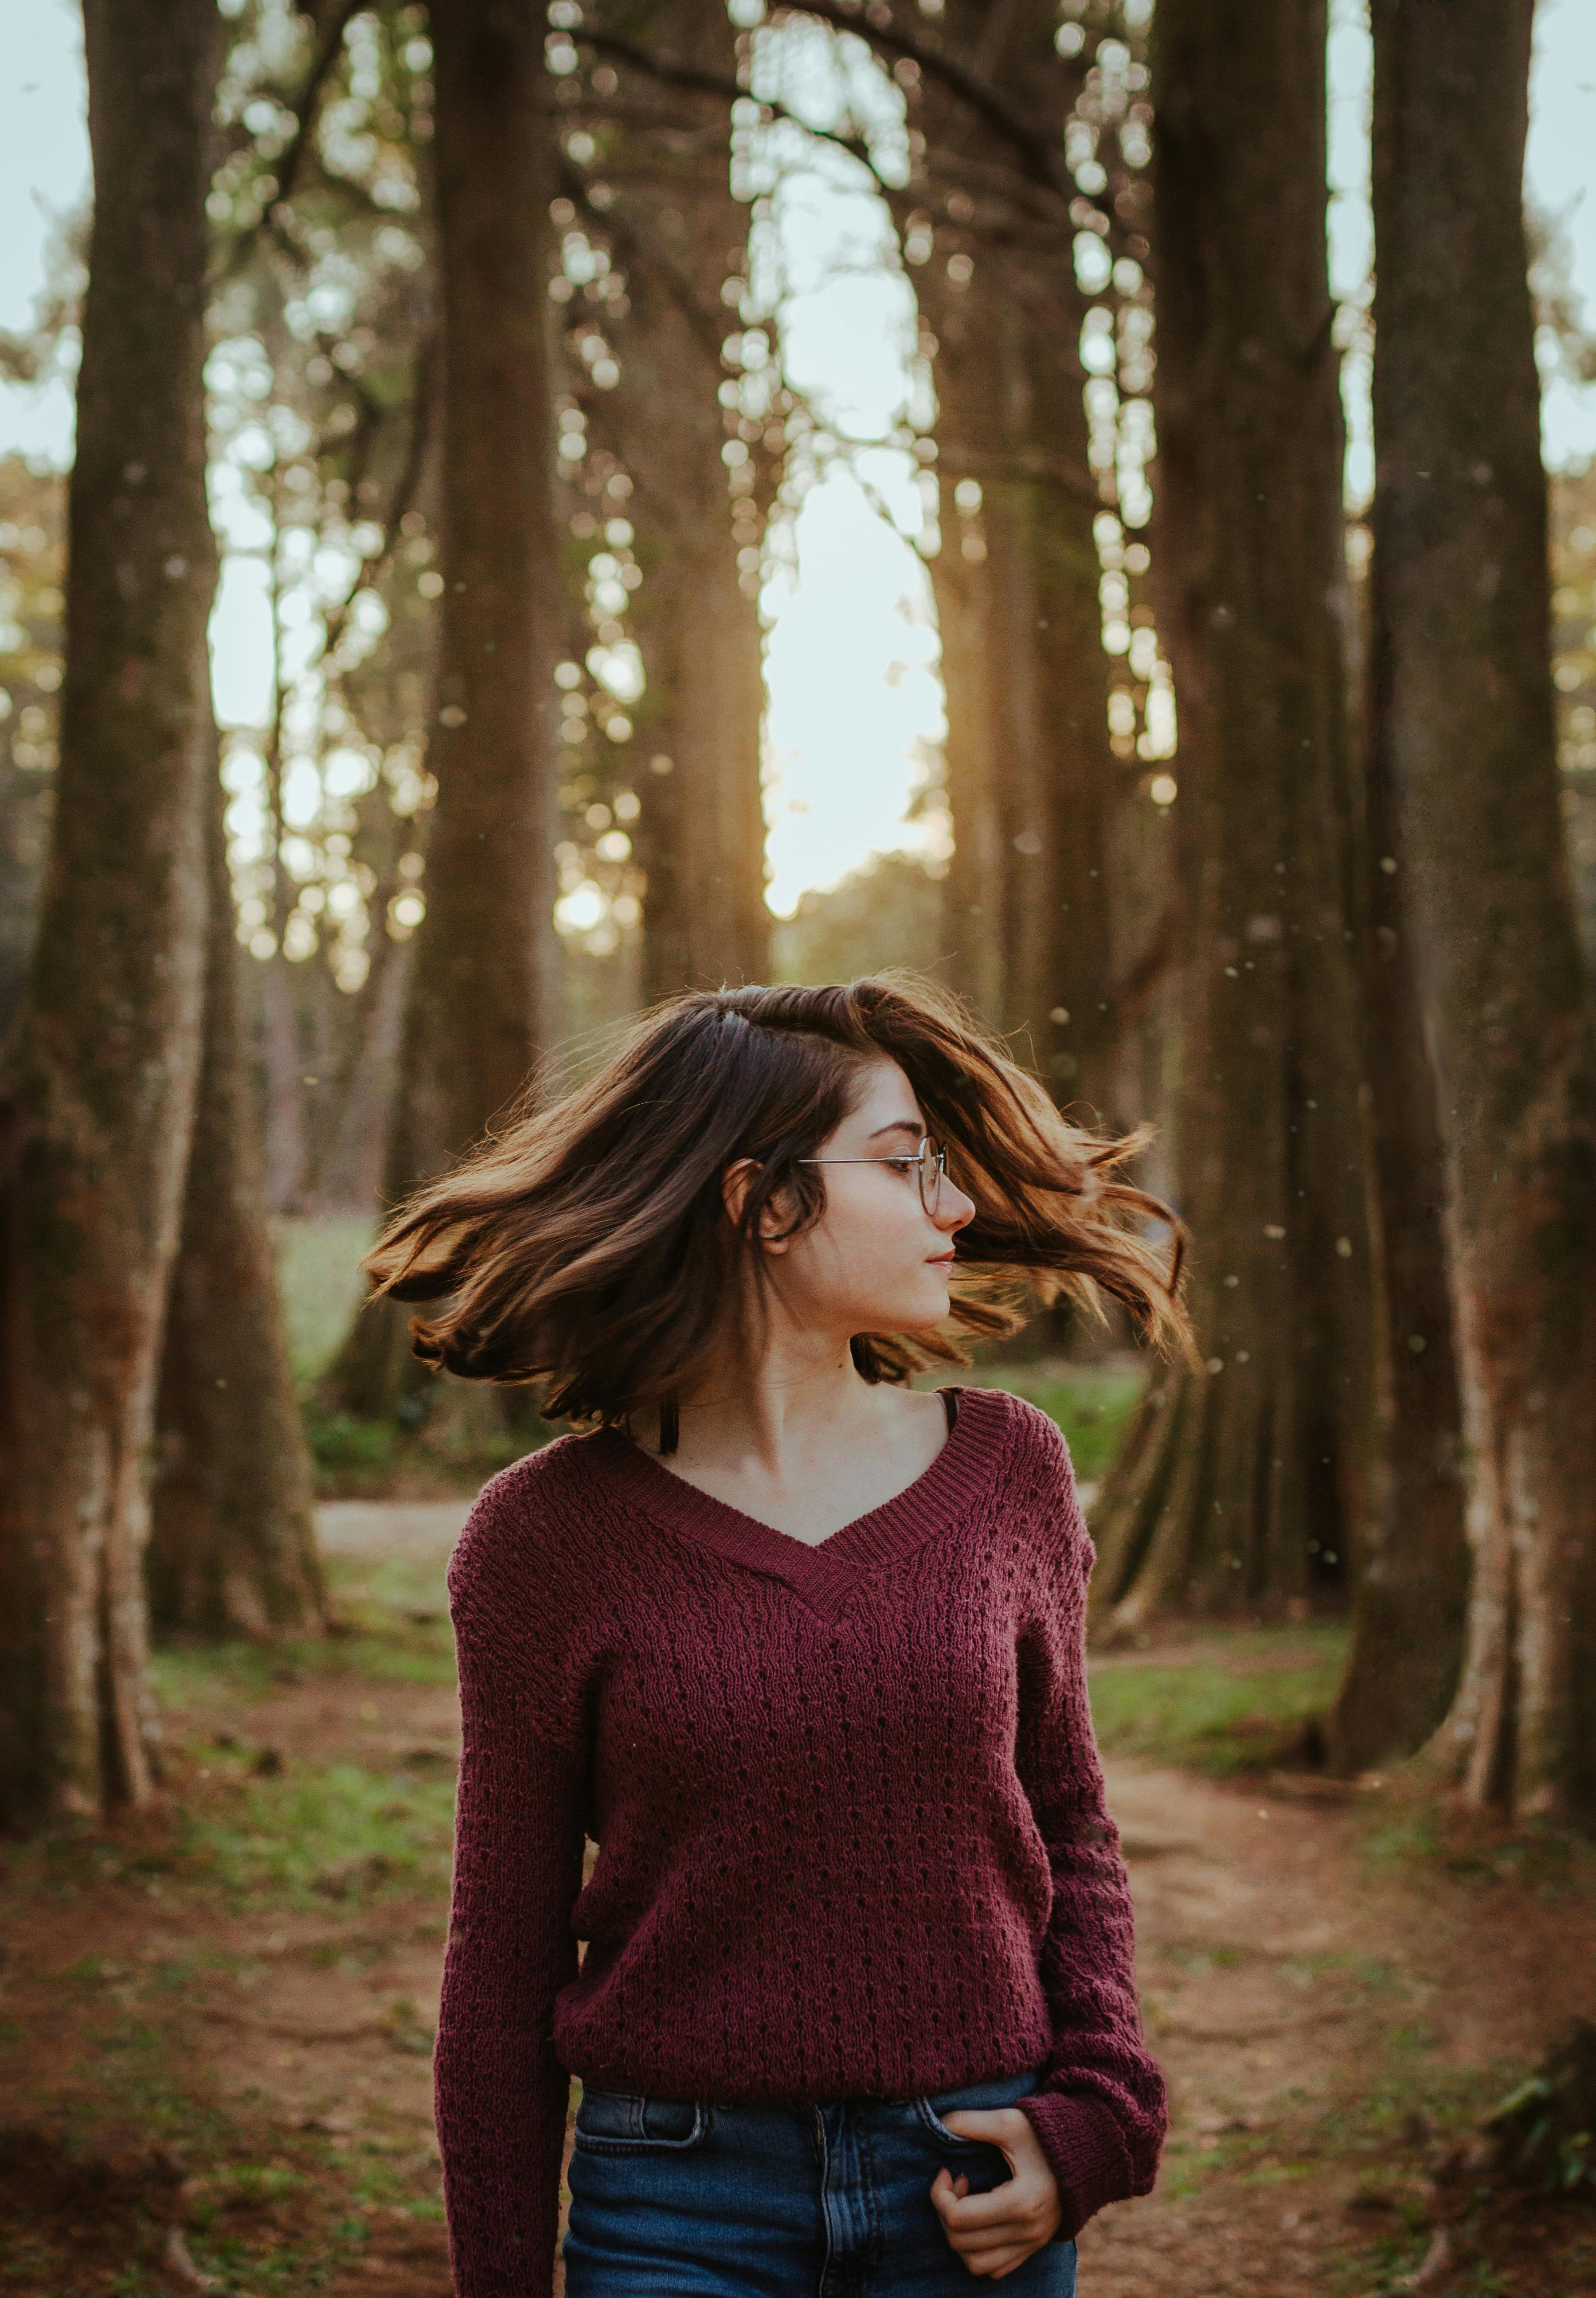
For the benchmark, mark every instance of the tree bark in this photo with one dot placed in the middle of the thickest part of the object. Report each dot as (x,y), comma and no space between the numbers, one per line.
(700,835)
(1245,1483)
(102,1077)
(1032,780)
(1465,720)
(1410,1580)
(233,1534)
(480,991)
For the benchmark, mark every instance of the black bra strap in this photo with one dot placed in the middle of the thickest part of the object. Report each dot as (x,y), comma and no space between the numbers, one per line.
(950,1405)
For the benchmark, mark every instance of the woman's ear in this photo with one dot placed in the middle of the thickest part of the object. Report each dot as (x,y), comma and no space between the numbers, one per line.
(736,1182)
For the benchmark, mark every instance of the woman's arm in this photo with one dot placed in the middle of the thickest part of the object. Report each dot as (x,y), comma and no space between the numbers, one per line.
(500,2093)
(1101,2110)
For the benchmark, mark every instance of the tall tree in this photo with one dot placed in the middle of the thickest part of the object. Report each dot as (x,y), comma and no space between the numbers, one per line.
(1410,1573)
(323,315)
(1464,720)
(1032,780)
(233,1539)
(480,988)
(1058,921)
(675,225)
(1245,1482)
(102,1075)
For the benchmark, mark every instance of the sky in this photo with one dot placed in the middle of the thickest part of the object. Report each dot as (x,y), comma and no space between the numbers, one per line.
(854,702)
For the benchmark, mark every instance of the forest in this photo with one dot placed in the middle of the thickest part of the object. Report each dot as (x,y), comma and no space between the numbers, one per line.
(1265,810)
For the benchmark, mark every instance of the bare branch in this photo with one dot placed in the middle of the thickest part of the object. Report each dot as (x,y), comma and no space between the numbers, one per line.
(671,73)
(406,487)
(1041,159)
(634,238)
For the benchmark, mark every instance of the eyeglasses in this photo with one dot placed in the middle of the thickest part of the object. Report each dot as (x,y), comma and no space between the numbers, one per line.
(930,1159)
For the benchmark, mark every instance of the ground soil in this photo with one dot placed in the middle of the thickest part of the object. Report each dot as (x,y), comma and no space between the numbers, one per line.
(1333,1989)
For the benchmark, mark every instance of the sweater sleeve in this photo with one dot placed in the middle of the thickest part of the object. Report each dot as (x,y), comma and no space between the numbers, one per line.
(500,2092)
(1100,2110)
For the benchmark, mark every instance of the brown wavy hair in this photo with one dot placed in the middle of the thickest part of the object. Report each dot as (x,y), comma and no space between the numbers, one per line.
(585,1248)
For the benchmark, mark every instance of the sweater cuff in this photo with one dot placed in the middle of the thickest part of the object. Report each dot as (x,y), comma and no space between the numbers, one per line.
(1086,2150)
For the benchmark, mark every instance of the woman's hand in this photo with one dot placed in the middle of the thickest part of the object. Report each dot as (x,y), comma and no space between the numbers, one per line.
(995,2232)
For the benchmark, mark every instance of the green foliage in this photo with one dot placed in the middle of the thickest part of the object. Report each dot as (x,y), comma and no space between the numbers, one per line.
(1239,1701)
(886,913)
(355,1455)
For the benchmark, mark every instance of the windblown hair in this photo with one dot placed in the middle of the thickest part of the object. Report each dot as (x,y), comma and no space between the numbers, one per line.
(586,1249)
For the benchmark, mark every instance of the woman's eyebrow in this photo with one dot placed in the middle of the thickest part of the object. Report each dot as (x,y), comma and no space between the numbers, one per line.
(899,1125)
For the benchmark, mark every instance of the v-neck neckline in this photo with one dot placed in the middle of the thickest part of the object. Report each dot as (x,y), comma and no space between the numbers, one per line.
(823,1574)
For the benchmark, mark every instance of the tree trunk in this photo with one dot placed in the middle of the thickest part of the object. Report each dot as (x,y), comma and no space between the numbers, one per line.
(480,989)
(1032,780)
(1245,1484)
(1410,1581)
(283,1055)
(346,1172)
(102,1079)
(233,1534)
(1465,719)
(700,835)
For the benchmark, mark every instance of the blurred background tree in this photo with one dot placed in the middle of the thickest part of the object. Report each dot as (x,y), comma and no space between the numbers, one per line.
(102,1063)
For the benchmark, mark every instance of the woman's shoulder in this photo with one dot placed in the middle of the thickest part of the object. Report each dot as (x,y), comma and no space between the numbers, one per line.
(522,1525)
(1033,1438)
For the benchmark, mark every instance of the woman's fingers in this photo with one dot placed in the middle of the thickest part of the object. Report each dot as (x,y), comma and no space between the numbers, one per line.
(994,2232)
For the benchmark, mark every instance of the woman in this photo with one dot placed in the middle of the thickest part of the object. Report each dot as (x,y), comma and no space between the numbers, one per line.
(799,1647)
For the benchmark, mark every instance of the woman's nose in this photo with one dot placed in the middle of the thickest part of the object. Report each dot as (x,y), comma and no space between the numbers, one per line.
(954,1210)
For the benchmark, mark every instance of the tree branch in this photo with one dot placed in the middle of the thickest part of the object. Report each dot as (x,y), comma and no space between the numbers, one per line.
(633,238)
(1034,144)
(671,73)
(406,487)
(308,100)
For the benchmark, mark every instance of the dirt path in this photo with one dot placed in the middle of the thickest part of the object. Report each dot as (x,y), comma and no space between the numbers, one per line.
(1324,2008)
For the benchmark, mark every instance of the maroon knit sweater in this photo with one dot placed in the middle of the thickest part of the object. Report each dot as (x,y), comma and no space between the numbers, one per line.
(853,1839)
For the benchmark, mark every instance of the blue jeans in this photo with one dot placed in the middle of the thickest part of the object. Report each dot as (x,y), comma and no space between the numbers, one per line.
(676,2199)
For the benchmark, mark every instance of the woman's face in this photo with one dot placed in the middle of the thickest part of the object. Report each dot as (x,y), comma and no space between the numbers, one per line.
(876,1261)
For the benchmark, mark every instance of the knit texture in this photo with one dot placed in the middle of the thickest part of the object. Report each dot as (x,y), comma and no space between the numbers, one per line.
(852,1830)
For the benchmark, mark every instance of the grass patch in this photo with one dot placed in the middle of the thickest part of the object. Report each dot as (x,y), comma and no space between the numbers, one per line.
(254,1826)
(339,1832)
(1091,1403)
(1239,1702)
(1415,1829)
(88,2192)
(392,1628)
(319,1269)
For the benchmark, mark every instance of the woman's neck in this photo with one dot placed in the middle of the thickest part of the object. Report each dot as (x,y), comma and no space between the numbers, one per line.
(768,1404)
(795,1437)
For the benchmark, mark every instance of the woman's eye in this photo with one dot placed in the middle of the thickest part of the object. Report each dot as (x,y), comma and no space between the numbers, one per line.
(903,1164)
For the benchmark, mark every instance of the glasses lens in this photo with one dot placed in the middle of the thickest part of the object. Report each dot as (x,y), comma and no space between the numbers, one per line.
(933,1162)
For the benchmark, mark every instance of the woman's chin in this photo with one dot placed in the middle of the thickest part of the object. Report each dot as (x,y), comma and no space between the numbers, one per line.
(921,1310)
(932,1309)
